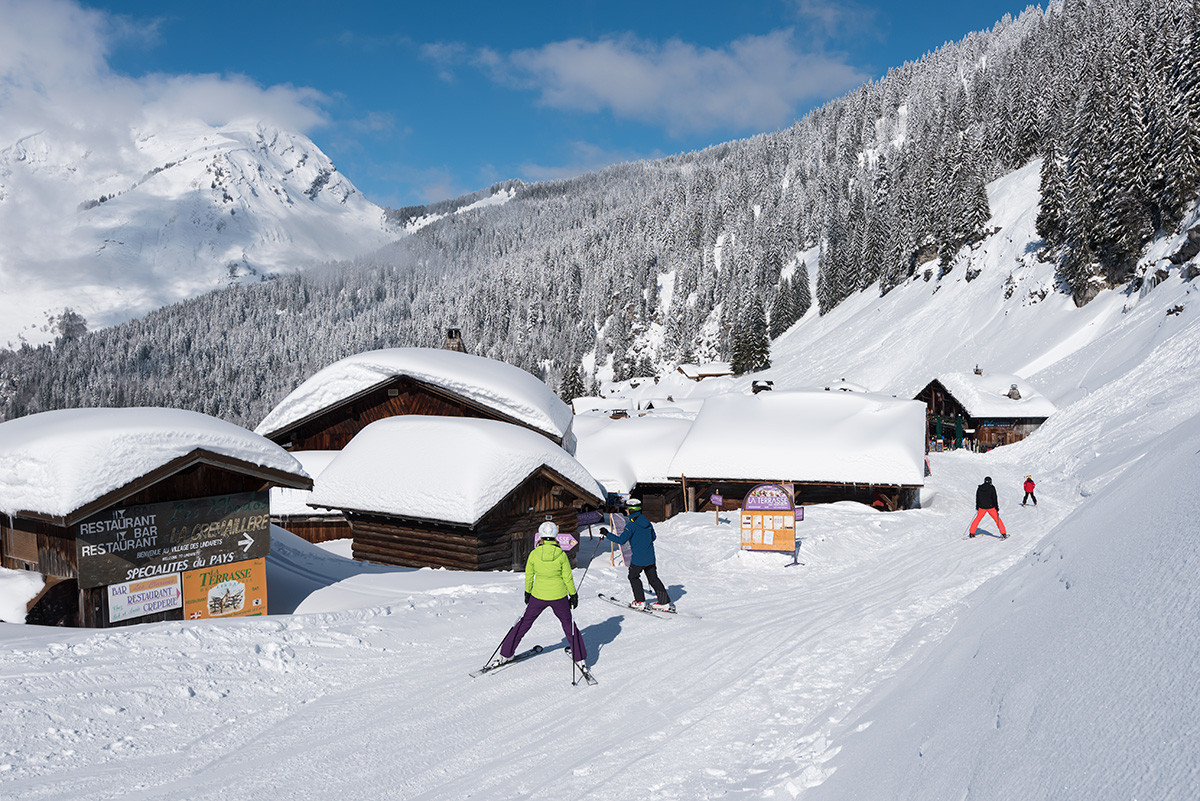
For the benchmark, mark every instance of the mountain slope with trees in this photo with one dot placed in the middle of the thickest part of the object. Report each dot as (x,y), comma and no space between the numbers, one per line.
(690,257)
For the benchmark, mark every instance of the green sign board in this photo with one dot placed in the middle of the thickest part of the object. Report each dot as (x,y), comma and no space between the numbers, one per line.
(156,539)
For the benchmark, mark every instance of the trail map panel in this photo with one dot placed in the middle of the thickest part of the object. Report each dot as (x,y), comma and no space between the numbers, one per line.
(155,539)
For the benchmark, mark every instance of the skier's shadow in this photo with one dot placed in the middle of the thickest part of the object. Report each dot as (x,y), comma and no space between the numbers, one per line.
(598,635)
(984,532)
(676,591)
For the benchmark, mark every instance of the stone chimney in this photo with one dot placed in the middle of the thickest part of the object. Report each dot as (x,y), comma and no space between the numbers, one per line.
(454,340)
(978,370)
(1014,393)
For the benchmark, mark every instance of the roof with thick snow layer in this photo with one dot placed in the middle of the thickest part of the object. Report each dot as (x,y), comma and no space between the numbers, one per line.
(628,451)
(987,395)
(54,463)
(452,469)
(820,437)
(508,390)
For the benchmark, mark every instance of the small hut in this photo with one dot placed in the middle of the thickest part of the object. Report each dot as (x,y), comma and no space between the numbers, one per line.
(830,446)
(330,408)
(94,499)
(992,409)
(453,492)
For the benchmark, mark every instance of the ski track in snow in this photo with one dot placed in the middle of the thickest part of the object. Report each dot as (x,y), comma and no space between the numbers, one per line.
(743,703)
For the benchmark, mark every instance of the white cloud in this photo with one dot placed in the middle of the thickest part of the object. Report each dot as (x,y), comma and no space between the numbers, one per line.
(754,83)
(55,77)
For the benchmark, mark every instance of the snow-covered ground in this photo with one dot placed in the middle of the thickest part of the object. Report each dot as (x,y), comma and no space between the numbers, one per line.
(902,660)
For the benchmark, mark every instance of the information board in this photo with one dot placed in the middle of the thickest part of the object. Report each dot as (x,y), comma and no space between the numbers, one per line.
(236,590)
(131,599)
(157,539)
(768,520)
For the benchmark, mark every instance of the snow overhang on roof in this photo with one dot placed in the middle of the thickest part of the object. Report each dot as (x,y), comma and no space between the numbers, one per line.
(987,395)
(629,451)
(288,502)
(708,370)
(508,390)
(817,437)
(55,463)
(449,469)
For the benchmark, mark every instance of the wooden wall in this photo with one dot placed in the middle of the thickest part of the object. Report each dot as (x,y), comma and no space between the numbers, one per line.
(334,428)
(316,529)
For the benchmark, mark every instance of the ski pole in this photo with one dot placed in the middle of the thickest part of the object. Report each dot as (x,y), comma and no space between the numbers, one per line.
(501,645)
(589,567)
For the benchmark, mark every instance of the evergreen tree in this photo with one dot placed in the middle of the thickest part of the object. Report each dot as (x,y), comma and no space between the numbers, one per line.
(751,345)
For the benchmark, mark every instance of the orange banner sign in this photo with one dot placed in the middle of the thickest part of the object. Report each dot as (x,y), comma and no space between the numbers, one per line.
(234,590)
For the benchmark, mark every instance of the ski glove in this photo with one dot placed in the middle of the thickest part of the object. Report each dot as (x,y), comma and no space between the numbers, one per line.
(604,532)
(575,600)
(528,596)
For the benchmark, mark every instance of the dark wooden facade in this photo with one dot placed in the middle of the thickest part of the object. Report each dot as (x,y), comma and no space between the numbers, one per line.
(46,544)
(698,493)
(985,432)
(659,501)
(333,427)
(501,540)
(315,529)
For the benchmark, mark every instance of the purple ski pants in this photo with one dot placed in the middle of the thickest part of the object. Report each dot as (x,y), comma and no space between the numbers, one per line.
(562,610)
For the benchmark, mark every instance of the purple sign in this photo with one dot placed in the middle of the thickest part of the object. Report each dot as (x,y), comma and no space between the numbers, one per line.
(768,498)
(716,499)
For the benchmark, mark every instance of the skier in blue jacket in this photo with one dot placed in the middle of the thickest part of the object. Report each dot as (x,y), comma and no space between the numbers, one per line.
(640,536)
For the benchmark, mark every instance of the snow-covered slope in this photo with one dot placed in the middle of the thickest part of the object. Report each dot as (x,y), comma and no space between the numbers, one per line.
(158,215)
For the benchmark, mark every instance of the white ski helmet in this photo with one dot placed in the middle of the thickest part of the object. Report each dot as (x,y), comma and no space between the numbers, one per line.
(548,530)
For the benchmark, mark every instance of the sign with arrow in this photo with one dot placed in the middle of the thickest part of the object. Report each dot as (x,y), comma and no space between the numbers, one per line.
(157,539)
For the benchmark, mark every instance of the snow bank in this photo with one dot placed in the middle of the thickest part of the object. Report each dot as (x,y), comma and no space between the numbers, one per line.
(496,385)
(846,437)
(987,395)
(629,450)
(454,469)
(17,589)
(56,462)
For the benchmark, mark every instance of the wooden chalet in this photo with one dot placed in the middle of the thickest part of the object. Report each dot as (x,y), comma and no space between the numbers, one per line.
(478,507)
(412,381)
(825,446)
(45,540)
(981,411)
(290,509)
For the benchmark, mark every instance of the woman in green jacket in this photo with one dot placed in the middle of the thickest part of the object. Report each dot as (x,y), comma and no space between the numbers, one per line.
(548,584)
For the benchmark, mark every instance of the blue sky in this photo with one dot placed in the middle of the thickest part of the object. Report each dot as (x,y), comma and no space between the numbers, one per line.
(417,102)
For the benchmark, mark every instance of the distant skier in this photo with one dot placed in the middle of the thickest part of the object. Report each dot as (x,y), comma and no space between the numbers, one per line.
(548,585)
(1029,496)
(986,503)
(640,535)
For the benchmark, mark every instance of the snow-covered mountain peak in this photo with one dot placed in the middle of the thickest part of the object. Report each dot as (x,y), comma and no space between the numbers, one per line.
(119,226)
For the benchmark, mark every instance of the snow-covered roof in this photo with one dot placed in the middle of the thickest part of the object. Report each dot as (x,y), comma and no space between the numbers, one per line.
(508,390)
(987,395)
(56,462)
(454,469)
(286,502)
(835,437)
(630,450)
(710,369)
(592,404)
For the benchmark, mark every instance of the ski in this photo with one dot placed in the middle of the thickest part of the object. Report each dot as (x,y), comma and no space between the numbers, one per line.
(488,668)
(648,610)
(584,669)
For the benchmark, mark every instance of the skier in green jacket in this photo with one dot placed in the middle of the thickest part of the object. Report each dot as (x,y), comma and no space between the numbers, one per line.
(548,584)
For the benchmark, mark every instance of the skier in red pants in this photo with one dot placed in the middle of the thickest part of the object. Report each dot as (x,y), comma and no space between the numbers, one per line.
(986,503)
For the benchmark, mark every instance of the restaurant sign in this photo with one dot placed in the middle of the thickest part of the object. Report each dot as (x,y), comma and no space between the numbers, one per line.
(768,520)
(158,539)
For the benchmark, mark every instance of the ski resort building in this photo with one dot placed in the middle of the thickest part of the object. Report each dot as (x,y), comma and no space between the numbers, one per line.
(699,372)
(453,492)
(330,408)
(129,513)
(830,446)
(981,410)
